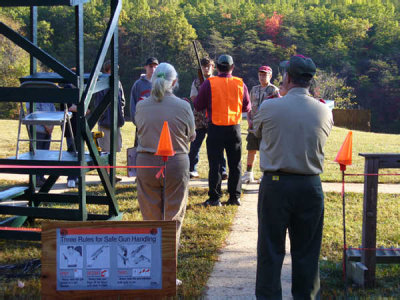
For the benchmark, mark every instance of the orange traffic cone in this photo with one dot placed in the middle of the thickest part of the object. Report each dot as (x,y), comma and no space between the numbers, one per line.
(165,147)
(344,156)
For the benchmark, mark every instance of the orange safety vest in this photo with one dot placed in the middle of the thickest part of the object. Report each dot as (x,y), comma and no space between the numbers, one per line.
(227,100)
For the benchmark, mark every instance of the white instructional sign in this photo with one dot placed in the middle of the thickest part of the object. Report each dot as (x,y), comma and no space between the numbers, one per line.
(109,259)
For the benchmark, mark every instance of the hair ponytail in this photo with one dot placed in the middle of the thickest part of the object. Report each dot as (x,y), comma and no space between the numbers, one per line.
(162,80)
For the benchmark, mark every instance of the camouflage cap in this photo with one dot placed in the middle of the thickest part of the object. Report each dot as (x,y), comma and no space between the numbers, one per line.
(206,61)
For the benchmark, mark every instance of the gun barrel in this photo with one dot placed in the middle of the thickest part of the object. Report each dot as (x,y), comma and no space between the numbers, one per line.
(200,71)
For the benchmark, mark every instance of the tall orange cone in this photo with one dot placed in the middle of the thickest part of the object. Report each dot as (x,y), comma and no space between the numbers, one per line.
(344,156)
(165,148)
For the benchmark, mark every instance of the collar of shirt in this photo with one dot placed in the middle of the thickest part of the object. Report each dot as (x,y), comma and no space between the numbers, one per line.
(225,75)
(143,77)
(298,90)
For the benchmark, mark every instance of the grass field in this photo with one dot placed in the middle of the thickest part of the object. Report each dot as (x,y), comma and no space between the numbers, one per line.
(205,230)
(203,233)
(363,142)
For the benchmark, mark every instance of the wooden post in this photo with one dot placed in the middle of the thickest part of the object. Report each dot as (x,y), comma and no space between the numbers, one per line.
(368,255)
(373,162)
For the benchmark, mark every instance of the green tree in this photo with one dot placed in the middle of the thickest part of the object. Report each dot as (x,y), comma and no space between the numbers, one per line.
(14,64)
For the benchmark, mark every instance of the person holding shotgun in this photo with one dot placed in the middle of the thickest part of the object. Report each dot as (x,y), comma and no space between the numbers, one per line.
(200,119)
(225,97)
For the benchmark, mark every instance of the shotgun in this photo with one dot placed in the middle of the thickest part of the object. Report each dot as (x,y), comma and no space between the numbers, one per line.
(199,70)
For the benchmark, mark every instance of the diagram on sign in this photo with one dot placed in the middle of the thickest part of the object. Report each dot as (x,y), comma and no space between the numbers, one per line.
(98,256)
(141,272)
(71,257)
(133,256)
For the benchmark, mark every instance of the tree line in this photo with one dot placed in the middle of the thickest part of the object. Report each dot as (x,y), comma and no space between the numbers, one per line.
(354,43)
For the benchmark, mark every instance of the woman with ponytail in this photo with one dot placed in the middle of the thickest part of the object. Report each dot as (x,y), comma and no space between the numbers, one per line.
(163,105)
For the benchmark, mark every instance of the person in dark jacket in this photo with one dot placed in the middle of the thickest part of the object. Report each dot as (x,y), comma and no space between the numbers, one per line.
(141,89)
(104,124)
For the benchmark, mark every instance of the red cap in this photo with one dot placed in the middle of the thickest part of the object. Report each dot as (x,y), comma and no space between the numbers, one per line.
(266,69)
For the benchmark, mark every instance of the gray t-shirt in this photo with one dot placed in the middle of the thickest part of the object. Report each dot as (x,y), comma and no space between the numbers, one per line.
(140,90)
(150,116)
(294,130)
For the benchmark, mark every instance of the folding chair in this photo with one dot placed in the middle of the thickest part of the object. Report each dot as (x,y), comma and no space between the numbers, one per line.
(50,118)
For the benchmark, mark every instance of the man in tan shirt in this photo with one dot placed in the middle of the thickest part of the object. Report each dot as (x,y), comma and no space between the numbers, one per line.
(293,131)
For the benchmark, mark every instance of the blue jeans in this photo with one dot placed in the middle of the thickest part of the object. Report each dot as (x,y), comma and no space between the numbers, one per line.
(195,150)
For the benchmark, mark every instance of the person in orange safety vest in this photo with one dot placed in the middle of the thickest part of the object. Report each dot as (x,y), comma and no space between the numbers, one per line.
(225,97)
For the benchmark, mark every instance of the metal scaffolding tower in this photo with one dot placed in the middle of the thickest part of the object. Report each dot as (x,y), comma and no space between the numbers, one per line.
(85,85)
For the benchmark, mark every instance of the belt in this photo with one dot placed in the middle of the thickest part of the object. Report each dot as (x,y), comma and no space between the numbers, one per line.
(281,173)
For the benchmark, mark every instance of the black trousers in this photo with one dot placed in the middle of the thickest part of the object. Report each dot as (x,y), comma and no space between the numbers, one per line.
(296,203)
(195,150)
(218,139)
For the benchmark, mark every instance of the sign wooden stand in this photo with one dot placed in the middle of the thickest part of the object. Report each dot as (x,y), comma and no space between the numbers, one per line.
(49,260)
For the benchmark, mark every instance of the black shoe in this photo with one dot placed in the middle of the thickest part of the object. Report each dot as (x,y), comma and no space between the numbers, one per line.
(224,176)
(233,201)
(211,202)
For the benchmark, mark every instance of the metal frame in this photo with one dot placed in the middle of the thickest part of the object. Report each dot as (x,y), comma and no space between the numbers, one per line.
(86,86)
(57,118)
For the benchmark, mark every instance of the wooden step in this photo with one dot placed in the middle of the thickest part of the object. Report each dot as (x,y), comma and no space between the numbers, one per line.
(15,203)
(12,192)
(383,255)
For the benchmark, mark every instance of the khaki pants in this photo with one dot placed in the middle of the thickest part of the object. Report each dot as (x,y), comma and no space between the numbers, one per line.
(176,190)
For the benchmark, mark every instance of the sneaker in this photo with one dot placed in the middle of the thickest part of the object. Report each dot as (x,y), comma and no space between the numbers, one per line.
(178,282)
(224,175)
(193,174)
(233,201)
(210,202)
(247,177)
(118,179)
(71,183)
